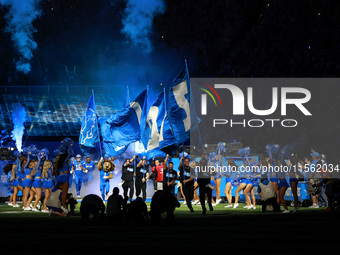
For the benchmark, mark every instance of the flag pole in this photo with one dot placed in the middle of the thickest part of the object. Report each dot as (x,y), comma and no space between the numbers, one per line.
(166,113)
(134,154)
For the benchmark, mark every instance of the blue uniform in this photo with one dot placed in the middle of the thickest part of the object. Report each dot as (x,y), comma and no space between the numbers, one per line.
(292,177)
(229,174)
(47,181)
(283,182)
(37,183)
(254,176)
(88,177)
(9,182)
(243,175)
(104,183)
(218,169)
(63,175)
(17,179)
(27,180)
(78,175)
(272,174)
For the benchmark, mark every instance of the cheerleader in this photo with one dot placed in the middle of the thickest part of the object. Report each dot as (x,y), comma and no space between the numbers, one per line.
(283,186)
(8,169)
(27,181)
(243,183)
(273,177)
(17,177)
(216,162)
(47,182)
(196,199)
(61,170)
(232,167)
(37,184)
(293,180)
(249,189)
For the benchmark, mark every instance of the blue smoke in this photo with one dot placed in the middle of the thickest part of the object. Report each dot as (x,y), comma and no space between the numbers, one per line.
(19,18)
(18,118)
(138,19)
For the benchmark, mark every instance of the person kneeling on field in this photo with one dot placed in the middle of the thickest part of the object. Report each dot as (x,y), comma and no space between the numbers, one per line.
(137,211)
(54,203)
(92,204)
(163,201)
(268,196)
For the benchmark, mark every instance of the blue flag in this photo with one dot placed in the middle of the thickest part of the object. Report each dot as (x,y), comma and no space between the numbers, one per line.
(150,135)
(124,127)
(157,137)
(181,112)
(89,133)
(112,148)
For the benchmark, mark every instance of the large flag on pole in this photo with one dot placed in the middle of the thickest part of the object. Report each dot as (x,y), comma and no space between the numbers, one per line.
(157,137)
(150,135)
(181,112)
(111,148)
(124,127)
(167,142)
(89,133)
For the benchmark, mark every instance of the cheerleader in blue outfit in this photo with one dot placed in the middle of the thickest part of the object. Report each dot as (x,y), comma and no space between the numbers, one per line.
(283,186)
(16,175)
(61,170)
(242,173)
(8,170)
(27,181)
(293,180)
(47,182)
(232,168)
(273,151)
(251,180)
(217,162)
(37,184)
(273,177)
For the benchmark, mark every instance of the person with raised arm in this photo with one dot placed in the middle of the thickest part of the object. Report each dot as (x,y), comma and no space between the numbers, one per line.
(142,175)
(127,178)
(187,177)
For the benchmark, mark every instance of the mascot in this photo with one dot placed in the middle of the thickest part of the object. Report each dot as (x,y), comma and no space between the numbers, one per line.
(106,167)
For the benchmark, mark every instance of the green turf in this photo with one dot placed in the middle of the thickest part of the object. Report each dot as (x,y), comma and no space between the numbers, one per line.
(223,231)
(182,211)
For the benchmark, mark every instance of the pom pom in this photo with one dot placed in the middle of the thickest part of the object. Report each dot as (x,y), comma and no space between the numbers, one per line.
(65,147)
(220,147)
(184,154)
(44,152)
(31,150)
(244,152)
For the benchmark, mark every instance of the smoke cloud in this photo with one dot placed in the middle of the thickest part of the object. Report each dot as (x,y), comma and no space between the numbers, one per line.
(18,118)
(138,19)
(19,18)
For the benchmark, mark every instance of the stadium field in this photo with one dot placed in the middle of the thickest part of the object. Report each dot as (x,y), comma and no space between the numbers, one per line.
(224,230)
